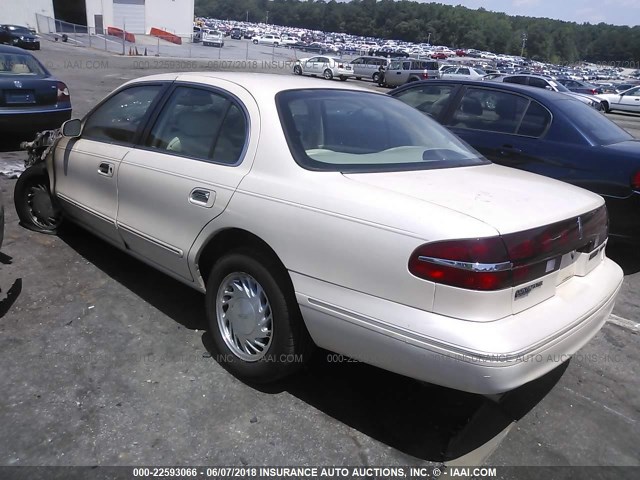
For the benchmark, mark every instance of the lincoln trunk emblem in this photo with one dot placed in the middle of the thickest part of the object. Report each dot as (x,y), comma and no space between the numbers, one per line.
(580,228)
(17,83)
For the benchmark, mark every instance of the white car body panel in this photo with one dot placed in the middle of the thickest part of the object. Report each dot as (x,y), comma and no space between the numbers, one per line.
(627,101)
(345,240)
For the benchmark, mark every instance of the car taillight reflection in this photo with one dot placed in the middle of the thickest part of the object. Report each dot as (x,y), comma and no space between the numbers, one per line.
(63,93)
(635,181)
(495,263)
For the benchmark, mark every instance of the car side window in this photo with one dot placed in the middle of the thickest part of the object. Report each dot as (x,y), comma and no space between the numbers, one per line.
(200,124)
(518,80)
(490,110)
(538,82)
(406,65)
(464,71)
(429,99)
(118,118)
(535,121)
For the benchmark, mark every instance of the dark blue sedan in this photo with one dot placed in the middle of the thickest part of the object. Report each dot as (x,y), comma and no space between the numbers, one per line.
(31,99)
(542,132)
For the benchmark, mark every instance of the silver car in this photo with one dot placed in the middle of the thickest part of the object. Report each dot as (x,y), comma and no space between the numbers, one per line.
(408,70)
(327,67)
(369,67)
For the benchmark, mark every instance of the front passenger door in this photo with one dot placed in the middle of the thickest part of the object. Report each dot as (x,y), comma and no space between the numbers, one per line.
(86,168)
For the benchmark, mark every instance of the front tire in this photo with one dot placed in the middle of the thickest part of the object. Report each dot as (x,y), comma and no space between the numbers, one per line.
(328,74)
(34,204)
(254,318)
(297,70)
(605,106)
(343,78)
(376,77)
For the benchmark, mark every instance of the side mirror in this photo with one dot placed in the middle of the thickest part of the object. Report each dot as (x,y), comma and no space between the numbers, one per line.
(72,128)
(548,87)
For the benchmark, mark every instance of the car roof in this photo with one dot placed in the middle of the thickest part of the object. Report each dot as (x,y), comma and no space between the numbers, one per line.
(537,93)
(260,85)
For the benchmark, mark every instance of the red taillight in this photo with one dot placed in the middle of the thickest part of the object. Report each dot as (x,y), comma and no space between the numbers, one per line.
(474,264)
(63,93)
(635,181)
(495,263)
(425,75)
(593,91)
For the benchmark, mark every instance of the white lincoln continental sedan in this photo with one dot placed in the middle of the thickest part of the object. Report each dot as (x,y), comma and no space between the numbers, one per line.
(324,214)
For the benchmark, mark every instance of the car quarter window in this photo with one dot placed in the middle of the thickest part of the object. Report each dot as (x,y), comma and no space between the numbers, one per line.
(538,82)
(535,121)
(429,99)
(518,80)
(490,110)
(118,118)
(200,124)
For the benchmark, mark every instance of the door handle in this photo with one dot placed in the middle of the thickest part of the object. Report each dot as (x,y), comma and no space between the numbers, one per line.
(105,169)
(202,197)
(508,150)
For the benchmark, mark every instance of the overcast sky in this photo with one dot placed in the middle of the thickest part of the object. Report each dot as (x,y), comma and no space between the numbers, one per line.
(617,12)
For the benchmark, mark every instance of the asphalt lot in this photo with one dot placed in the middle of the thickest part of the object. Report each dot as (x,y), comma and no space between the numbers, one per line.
(106,362)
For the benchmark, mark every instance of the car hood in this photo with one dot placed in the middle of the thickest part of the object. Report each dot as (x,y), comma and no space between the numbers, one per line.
(507,199)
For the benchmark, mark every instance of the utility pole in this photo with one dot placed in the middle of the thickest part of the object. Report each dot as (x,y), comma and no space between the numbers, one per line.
(524,43)
(247,16)
(429,39)
(267,17)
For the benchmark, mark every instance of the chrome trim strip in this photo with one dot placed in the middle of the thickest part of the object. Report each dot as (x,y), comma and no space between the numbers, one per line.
(472,267)
(166,246)
(86,209)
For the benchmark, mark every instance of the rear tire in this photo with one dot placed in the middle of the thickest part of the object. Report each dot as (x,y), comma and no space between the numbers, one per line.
(376,77)
(254,318)
(297,70)
(343,78)
(605,106)
(36,208)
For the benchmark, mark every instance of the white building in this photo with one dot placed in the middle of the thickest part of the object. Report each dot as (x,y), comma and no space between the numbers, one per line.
(139,16)
(136,16)
(24,12)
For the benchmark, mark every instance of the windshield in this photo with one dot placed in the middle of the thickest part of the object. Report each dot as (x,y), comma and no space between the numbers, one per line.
(598,128)
(343,130)
(22,30)
(20,64)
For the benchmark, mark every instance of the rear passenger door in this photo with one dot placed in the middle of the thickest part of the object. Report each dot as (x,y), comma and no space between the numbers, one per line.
(505,127)
(191,159)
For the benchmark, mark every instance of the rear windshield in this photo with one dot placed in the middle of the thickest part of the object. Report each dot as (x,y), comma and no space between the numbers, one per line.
(20,64)
(342,130)
(598,128)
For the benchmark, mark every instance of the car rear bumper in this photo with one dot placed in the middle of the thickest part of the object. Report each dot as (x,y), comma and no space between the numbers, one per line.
(33,120)
(479,357)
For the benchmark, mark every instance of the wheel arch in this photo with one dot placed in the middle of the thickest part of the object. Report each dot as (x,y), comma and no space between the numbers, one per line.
(229,239)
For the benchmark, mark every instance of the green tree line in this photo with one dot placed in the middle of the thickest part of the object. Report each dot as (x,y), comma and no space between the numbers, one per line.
(549,40)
